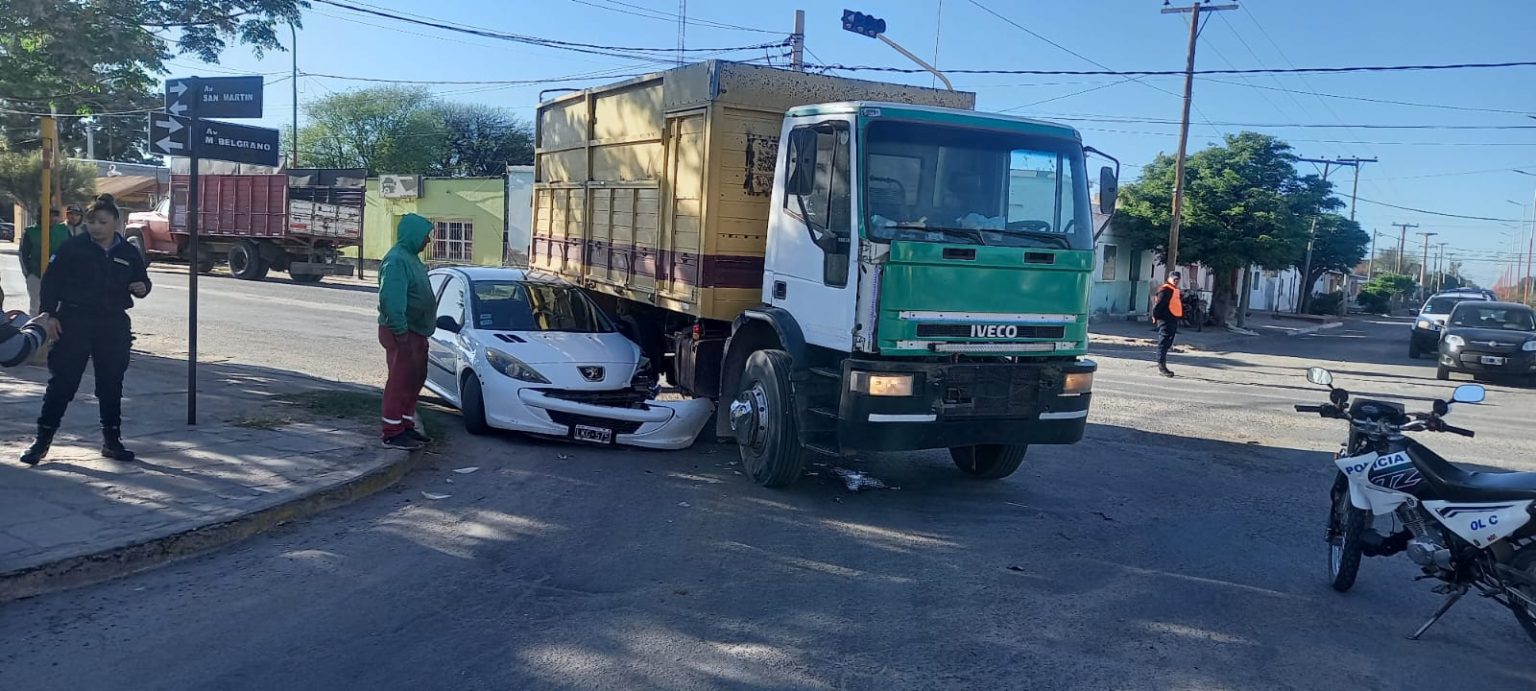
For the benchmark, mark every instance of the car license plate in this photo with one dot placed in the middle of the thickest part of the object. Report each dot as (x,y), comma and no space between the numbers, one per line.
(1491,360)
(594,435)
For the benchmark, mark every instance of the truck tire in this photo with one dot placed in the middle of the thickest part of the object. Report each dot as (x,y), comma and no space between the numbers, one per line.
(306,278)
(206,263)
(989,461)
(766,422)
(245,261)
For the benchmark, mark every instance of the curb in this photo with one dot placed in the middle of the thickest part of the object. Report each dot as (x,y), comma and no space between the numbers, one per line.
(142,556)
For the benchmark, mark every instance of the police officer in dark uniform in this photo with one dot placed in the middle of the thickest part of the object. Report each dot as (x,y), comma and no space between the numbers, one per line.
(91,283)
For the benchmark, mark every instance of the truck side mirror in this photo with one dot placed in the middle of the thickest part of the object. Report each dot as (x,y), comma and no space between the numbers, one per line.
(1109,188)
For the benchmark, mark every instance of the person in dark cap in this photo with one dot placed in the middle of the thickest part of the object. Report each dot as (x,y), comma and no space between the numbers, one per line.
(74,217)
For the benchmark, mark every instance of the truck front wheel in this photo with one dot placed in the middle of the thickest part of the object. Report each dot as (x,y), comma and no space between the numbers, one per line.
(765,422)
(989,461)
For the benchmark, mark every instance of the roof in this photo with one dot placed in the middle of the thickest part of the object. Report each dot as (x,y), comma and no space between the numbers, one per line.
(1496,305)
(128,185)
(905,111)
(503,273)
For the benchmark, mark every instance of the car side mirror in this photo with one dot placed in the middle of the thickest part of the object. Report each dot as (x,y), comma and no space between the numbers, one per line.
(1469,393)
(1109,188)
(1320,376)
(449,324)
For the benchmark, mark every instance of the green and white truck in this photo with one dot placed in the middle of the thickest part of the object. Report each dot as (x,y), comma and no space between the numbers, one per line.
(843,265)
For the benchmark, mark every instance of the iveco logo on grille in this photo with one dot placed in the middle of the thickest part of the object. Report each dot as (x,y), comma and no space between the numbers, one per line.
(994,331)
(591,373)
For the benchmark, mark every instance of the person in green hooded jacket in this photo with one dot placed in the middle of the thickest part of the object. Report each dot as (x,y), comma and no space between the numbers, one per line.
(407,316)
(31,255)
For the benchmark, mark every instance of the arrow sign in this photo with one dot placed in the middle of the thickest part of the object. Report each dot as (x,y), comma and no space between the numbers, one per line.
(214,97)
(169,134)
(236,143)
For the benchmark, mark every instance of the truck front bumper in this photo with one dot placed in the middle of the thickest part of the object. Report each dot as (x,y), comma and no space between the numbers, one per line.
(961,403)
(323,268)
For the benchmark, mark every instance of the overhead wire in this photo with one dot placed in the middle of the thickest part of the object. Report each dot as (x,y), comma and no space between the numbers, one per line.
(662,15)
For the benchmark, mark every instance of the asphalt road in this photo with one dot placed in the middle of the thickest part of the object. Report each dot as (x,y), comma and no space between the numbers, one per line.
(327,330)
(1178,547)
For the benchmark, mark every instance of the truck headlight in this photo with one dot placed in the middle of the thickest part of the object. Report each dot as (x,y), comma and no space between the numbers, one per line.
(1428,325)
(1529,347)
(1077,383)
(1455,341)
(884,385)
(513,367)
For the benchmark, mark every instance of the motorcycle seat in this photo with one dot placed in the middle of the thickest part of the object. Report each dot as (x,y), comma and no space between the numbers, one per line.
(1452,483)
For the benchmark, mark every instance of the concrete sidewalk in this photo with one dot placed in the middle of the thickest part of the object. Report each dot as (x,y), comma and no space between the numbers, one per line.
(271,446)
(1112,331)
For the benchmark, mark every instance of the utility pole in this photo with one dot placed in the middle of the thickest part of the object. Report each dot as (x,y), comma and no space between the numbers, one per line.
(49,129)
(1370,269)
(293,145)
(1402,242)
(797,43)
(1171,261)
(1354,190)
(90,139)
(1440,268)
(1424,267)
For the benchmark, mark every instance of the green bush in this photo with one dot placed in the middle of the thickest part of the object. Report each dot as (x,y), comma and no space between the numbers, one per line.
(1376,301)
(1326,303)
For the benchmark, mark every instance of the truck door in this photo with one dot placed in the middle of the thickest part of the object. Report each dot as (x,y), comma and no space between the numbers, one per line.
(811,232)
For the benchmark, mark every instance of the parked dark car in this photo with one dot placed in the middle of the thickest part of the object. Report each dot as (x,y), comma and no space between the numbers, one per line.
(7,231)
(1494,338)
(1425,335)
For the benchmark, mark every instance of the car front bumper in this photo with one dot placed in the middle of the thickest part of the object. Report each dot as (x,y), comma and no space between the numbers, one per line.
(1426,339)
(962,404)
(1463,360)
(663,425)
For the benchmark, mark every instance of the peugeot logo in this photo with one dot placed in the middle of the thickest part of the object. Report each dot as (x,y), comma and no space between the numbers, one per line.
(591,372)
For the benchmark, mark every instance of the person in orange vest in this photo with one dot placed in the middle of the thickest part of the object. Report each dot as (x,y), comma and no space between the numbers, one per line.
(1167,312)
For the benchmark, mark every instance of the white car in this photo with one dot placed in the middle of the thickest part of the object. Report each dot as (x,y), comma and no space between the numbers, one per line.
(529,352)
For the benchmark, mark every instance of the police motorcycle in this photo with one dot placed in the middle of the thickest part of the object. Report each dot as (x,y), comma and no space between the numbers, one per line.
(1472,531)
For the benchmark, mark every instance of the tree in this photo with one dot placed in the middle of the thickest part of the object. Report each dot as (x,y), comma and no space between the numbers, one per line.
(1244,205)
(1377,295)
(482,141)
(1340,245)
(384,129)
(21,181)
(105,56)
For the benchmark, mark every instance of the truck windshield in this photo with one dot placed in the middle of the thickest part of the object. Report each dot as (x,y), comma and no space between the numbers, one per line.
(935,183)
(527,306)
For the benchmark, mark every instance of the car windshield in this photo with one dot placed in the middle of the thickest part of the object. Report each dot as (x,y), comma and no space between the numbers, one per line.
(1442,305)
(531,306)
(1494,317)
(931,183)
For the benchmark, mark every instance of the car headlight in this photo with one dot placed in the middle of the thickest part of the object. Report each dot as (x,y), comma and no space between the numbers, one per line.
(513,367)
(1529,347)
(881,384)
(1428,325)
(1455,341)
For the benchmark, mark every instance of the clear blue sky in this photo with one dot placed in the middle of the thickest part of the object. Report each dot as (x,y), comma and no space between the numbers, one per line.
(1469,172)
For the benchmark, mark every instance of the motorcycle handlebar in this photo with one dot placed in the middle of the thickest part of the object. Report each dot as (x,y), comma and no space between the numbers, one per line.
(1457,430)
(1309,408)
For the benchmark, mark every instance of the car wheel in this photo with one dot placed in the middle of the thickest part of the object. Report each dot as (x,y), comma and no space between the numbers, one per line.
(472,405)
(1442,373)
(765,421)
(1413,349)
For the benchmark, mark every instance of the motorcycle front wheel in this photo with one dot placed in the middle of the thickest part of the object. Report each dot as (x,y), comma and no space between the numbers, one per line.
(1345,526)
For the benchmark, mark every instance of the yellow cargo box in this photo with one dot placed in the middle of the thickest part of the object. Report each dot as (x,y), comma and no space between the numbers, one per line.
(656,189)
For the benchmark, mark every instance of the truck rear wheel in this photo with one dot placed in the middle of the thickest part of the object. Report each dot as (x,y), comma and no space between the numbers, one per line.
(765,421)
(245,261)
(989,461)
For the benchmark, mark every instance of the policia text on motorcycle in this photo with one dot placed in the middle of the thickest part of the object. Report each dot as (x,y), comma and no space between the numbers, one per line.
(89,287)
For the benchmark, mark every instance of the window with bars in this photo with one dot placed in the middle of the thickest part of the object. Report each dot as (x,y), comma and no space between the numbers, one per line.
(453,241)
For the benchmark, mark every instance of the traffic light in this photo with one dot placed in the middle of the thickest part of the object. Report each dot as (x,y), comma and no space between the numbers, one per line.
(863,24)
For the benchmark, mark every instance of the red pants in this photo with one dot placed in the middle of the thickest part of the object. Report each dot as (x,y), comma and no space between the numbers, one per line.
(407,359)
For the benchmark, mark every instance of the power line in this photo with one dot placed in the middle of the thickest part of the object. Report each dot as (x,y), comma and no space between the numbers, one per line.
(589,48)
(1440,106)
(1171,73)
(1441,213)
(1089,117)
(660,15)
(1027,30)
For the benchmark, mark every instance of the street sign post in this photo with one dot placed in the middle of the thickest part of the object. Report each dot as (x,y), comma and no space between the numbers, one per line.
(181,131)
(214,97)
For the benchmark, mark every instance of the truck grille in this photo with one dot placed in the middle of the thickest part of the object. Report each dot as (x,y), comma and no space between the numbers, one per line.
(984,391)
(964,331)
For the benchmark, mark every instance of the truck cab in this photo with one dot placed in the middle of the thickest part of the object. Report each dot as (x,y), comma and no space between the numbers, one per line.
(926,284)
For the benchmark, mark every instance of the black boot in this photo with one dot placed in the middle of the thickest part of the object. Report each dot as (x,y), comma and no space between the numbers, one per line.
(39,448)
(112,445)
